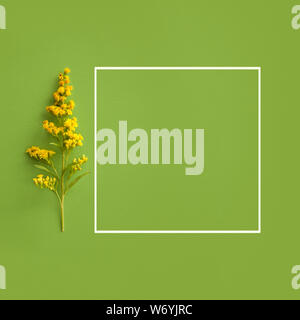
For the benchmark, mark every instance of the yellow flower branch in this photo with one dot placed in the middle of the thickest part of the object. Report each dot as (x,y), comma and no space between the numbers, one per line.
(63,129)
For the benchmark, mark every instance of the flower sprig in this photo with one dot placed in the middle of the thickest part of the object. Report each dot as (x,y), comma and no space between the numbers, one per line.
(45,182)
(78,163)
(63,129)
(40,154)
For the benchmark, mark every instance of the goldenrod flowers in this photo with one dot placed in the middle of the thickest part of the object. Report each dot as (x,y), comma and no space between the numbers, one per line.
(77,163)
(52,128)
(45,182)
(63,130)
(40,154)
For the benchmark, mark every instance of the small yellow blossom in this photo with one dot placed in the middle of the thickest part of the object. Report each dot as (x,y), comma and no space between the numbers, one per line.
(67,79)
(72,104)
(61,90)
(77,163)
(40,154)
(72,139)
(71,124)
(60,110)
(67,70)
(56,96)
(62,99)
(56,111)
(45,182)
(52,128)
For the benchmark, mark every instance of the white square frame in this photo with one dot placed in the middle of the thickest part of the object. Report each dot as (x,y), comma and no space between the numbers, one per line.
(259,231)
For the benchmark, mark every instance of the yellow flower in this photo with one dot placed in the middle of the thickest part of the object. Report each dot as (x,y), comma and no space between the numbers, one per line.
(40,154)
(61,83)
(63,99)
(72,139)
(67,70)
(52,128)
(57,111)
(71,124)
(56,96)
(61,90)
(45,182)
(67,79)
(61,77)
(72,104)
(77,163)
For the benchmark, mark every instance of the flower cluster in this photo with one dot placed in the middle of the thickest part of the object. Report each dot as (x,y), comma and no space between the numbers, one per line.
(62,110)
(45,182)
(71,124)
(60,107)
(40,154)
(72,139)
(52,128)
(77,163)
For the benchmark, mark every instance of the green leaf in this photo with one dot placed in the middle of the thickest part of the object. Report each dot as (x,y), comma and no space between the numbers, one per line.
(45,169)
(72,184)
(54,144)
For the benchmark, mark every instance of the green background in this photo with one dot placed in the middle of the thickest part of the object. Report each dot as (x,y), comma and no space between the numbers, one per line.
(160,197)
(44,37)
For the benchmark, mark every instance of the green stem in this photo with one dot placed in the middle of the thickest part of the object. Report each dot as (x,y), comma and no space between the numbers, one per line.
(62,193)
(62,216)
(58,197)
(54,169)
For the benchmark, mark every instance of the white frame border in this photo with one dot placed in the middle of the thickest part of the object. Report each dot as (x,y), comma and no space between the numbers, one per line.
(259,231)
